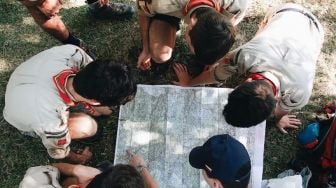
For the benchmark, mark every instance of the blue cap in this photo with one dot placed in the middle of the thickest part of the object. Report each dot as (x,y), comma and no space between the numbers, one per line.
(223,158)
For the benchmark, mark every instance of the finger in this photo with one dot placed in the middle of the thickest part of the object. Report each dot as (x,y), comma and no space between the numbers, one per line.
(292,126)
(176,83)
(294,119)
(176,69)
(184,68)
(129,153)
(147,64)
(291,116)
(283,130)
(294,123)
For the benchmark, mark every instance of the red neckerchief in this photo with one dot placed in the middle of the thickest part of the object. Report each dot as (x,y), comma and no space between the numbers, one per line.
(257,76)
(60,80)
(194,3)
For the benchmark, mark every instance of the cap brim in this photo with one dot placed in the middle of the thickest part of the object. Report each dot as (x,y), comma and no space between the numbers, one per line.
(197,158)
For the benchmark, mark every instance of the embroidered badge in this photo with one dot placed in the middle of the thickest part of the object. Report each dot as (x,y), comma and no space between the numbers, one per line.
(61,142)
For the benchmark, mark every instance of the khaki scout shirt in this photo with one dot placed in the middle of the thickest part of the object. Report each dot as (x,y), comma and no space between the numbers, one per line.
(32,101)
(176,7)
(287,48)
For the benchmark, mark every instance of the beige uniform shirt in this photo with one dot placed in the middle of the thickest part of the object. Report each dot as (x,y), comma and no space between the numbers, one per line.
(286,47)
(32,101)
(176,7)
(41,177)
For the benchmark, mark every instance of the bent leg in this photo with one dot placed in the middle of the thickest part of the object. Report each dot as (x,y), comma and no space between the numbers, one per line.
(81,125)
(162,36)
(53,25)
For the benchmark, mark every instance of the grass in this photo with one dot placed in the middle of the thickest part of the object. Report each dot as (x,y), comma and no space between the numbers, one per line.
(21,38)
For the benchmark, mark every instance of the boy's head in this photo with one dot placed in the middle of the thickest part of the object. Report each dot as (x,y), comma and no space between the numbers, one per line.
(249,104)
(210,35)
(108,82)
(120,176)
(224,161)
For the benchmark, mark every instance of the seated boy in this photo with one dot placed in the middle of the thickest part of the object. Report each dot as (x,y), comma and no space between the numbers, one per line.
(41,90)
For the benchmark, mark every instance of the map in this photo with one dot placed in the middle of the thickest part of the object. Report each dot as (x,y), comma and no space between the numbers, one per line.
(164,123)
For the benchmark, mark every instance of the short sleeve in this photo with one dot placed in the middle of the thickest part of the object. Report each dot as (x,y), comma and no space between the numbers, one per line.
(55,134)
(57,143)
(294,98)
(238,9)
(41,176)
(79,59)
(226,69)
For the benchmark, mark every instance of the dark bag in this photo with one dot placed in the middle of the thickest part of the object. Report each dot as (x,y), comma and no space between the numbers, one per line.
(320,139)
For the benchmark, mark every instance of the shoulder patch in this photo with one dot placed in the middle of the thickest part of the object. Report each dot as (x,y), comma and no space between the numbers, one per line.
(61,142)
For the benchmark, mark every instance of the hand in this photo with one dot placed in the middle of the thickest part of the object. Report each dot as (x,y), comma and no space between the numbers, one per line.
(182,75)
(135,160)
(50,8)
(103,2)
(288,121)
(144,60)
(80,157)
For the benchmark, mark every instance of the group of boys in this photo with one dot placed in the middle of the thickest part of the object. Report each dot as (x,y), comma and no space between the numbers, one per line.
(44,93)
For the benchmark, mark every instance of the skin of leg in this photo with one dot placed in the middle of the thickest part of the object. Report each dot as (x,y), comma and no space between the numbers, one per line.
(53,25)
(162,38)
(81,125)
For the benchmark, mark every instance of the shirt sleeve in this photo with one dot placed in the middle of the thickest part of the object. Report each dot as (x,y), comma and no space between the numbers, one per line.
(57,142)
(79,59)
(226,68)
(55,134)
(238,9)
(294,98)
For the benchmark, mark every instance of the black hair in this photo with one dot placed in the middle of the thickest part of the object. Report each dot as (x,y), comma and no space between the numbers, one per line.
(106,81)
(212,36)
(249,104)
(119,176)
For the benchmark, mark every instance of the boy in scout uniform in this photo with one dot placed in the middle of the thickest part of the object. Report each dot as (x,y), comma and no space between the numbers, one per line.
(41,90)
(210,29)
(279,66)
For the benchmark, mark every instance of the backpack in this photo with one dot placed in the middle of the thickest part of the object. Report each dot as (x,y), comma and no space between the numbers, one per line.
(320,139)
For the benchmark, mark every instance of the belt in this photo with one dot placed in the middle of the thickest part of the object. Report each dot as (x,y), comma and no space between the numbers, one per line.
(302,12)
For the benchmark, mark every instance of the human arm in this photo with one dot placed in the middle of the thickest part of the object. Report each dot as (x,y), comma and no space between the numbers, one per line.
(143,62)
(184,79)
(76,174)
(284,120)
(215,73)
(137,162)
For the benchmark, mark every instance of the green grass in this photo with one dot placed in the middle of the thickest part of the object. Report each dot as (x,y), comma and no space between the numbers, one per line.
(21,38)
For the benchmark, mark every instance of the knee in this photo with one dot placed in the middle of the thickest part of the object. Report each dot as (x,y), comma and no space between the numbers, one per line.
(81,126)
(161,55)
